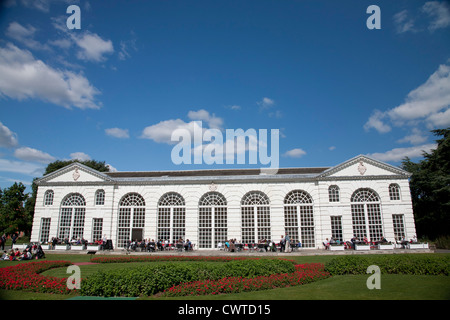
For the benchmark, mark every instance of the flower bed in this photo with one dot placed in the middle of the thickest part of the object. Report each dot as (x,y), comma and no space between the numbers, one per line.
(305,273)
(26,277)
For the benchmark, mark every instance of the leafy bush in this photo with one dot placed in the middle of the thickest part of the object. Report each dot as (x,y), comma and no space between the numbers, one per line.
(391,264)
(443,242)
(150,279)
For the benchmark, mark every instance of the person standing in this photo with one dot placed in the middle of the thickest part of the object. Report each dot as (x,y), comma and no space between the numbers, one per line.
(282,244)
(287,240)
(3,241)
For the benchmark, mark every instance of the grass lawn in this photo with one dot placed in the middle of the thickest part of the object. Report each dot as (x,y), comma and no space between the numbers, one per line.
(348,287)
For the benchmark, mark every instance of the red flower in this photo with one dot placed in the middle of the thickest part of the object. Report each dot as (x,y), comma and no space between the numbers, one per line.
(27,277)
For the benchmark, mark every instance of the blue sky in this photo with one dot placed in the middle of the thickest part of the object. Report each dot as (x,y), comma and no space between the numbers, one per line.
(115,89)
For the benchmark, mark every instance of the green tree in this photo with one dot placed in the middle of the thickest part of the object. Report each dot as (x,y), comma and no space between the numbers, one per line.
(430,188)
(13,217)
(58,164)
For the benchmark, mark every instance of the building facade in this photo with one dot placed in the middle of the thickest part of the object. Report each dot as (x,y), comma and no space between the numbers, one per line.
(361,197)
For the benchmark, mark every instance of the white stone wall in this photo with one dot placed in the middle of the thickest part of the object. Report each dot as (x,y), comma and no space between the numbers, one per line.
(233,192)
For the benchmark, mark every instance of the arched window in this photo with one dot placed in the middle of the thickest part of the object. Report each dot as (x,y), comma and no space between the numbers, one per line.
(333,193)
(394,191)
(100,197)
(131,219)
(71,217)
(48,198)
(366,214)
(299,216)
(212,220)
(255,215)
(171,217)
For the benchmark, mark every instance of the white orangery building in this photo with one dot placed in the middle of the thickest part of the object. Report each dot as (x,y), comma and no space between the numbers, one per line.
(360,197)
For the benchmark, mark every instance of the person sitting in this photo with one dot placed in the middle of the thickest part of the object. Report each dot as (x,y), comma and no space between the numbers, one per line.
(187,245)
(5,256)
(26,255)
(232,246)
(151,246)
(15,255)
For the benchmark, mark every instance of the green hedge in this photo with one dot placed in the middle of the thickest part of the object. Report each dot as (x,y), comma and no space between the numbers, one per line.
(391,264)
(150,279)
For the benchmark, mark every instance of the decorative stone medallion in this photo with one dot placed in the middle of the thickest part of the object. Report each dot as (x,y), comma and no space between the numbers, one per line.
(76,174)
(212,187)
(361,168)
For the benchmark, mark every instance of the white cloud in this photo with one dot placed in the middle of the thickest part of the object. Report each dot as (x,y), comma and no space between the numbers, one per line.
(41,5)
(117,133)
(80,156)
(23,77)
(25,182)
(203,115)
(434,13)
(429,98)
(93,47)
(399,154)
(30,154)
(376,121)
(8,138)
(439,120)
(265,103)
(295,153)
(417,137)
(111,168)
(25,35)
(428,103)
(162,131)
(403,22)
(27,168)
(439,12)
(61,43)
(277,114)
(17,31)
(126,46)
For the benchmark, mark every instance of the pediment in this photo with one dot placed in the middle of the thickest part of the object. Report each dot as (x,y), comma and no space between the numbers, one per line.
(74,173)
(363,166)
